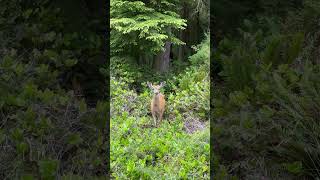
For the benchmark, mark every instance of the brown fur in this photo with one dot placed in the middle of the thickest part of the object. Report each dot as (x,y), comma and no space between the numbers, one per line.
(157,103)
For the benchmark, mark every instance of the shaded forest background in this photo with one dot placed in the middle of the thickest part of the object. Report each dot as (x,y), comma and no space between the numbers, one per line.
(53,106)
(266,89)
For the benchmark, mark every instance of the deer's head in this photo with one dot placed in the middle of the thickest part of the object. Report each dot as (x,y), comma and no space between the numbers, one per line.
(156,88)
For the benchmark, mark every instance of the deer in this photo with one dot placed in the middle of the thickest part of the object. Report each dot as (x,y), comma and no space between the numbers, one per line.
(158,102)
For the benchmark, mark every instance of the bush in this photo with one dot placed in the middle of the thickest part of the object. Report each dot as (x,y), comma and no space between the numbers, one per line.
(190,89)
(46,131)
(280,124)
(266,109)
(265,118)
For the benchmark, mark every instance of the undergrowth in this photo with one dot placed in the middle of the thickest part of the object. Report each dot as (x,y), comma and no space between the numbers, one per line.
(179,147)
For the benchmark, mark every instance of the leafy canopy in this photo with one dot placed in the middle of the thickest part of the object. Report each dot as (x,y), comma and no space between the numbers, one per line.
(143,26)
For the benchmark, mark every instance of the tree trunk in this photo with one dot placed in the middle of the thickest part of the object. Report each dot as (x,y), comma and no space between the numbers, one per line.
(76,87)
(145,60)
(181,51)
(183,33)
(162,60)
(141,59)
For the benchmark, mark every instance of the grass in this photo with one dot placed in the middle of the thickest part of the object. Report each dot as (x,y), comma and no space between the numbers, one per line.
(139,150)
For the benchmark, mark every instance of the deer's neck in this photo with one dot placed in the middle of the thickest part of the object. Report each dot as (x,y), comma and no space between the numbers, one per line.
(156,98)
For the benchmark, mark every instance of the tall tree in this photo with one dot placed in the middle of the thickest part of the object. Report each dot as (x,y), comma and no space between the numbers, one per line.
(145,30)
(197,14)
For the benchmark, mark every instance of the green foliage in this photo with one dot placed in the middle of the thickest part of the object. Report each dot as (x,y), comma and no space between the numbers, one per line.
(239,66)
(252,52)
(46,131)
(144,27)
(190,90)
(33,118)
(266,107)
(48,169)
(229,14)
(168,152)
(295,167)
(179,148)
(283,49)
(202,57)
(284,119)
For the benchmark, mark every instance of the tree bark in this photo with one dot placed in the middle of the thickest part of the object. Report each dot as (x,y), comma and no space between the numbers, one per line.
(162,60)
(181,50)
(141,59)
(183,33)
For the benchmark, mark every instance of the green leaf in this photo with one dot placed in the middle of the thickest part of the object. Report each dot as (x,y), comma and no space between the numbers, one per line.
(48,169)
(295,167)
(27,13)
(47,96)
(22,147)
(70,62)
(74,139)
(15,101)
(51,54)
(29,115)
(82,106)
(17,134)
(30,90)
(7,61)
(27,177)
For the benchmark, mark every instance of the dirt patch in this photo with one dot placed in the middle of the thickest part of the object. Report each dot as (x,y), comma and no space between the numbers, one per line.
(193,124)
(147,126)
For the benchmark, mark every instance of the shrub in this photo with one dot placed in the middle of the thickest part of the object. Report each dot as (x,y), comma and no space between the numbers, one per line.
(265,114)
(46,131)
(277,122)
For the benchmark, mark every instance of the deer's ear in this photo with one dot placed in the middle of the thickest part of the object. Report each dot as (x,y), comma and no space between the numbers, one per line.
(149,85)
(162,84)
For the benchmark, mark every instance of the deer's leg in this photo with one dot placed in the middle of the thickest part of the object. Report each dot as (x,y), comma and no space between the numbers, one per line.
(161,116)
(154,119)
